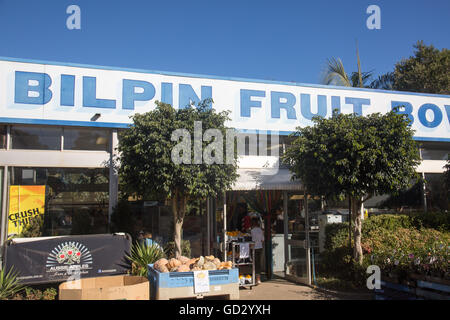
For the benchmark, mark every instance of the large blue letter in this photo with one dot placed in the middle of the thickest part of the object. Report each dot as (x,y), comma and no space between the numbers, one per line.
(167,93)
(129,94)
(247,102)
(437,115)
(90,95)
(357,104)
(67,90)
(23,87)
(186,94)
(395,105)
(447,110)
(335,104)
(305,106)
(276,104)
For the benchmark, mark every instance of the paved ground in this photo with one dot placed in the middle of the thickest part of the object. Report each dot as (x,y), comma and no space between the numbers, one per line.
(280,289)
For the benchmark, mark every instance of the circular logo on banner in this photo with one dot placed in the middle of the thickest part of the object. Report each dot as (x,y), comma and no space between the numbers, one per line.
(69,253)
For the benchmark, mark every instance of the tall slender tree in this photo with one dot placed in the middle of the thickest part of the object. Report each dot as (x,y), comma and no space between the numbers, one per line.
(148,150)
(355,156)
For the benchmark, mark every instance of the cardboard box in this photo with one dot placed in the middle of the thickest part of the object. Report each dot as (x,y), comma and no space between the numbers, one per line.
(122,287)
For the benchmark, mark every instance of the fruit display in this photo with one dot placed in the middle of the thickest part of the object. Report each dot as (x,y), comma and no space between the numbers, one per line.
(236,234)
(184,264)
(245,279)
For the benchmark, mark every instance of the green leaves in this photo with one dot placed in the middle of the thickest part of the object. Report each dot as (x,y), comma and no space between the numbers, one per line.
(141,255)
(147,168)
(9,285)
(354,155)
(427,71)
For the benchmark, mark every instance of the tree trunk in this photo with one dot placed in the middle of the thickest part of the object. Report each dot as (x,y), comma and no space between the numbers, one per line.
(178,210)
(356,218)
(349,223)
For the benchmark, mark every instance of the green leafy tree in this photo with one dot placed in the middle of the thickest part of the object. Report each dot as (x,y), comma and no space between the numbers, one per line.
(384,82)
(148,170)
(446,178)
(354,156)
(427,71)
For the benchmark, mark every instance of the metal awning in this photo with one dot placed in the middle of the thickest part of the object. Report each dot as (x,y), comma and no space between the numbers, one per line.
(265,179)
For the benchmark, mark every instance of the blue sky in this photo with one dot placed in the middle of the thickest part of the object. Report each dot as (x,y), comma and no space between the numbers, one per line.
(269,40)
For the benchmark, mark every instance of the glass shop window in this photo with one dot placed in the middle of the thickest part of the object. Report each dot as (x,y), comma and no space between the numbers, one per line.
(36,138)
(86,139)
(2,137)
(69,201)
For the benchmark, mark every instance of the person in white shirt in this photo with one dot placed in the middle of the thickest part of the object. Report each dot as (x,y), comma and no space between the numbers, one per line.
(258,239)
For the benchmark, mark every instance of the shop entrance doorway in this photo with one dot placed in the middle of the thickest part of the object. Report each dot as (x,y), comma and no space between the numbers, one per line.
(297,237)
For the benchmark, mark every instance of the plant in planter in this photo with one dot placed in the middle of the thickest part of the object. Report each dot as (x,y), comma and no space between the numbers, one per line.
(9,285)
(142,255)
(36,294)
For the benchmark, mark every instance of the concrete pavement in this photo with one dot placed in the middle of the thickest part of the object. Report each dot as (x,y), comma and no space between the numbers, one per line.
(280,289)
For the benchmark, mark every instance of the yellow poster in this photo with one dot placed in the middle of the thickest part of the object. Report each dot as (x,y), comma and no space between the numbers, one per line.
(25,202)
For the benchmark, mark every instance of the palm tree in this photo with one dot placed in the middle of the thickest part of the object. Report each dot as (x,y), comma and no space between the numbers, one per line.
(335,74)
(385,82)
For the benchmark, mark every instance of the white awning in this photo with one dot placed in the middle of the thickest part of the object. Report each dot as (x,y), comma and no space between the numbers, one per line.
(265,179)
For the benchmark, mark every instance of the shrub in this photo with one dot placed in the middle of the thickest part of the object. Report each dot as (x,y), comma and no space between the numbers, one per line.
(424,251)
(396,243)
(141,255)
(391,222)
(436,220)
(336,235)
(36,294)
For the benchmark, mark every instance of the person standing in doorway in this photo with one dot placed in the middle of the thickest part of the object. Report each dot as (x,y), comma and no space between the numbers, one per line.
(258,239)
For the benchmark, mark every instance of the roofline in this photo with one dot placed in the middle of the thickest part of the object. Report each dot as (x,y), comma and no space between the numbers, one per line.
(192,75)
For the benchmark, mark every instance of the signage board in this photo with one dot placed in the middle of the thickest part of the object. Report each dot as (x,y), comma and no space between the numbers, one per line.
(70,94)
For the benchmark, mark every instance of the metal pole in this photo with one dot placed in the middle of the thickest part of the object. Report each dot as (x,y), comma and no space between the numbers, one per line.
(425,205)
(113,177)
(4,208)
(424,186)
(208,226)
(286,229)
(224,226)
(308,257)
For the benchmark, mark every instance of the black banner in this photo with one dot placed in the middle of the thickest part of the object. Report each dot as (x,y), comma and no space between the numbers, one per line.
(57,259)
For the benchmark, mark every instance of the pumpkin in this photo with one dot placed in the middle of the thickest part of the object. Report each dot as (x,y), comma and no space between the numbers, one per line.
(183,268)
(209,266)
(184,260)
(201,261)
(217,262)
(163,269)
(160,265)
(173,263)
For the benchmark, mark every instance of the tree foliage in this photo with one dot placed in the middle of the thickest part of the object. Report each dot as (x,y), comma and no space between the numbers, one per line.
(354,156)
(427,71)
(148,170)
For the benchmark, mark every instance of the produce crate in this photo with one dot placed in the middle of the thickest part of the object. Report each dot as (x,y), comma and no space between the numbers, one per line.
(180,285)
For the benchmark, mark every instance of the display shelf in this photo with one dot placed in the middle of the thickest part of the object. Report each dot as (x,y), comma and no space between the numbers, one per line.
(235,247)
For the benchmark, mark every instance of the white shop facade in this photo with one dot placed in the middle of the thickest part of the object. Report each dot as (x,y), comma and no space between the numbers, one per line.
(60,124)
